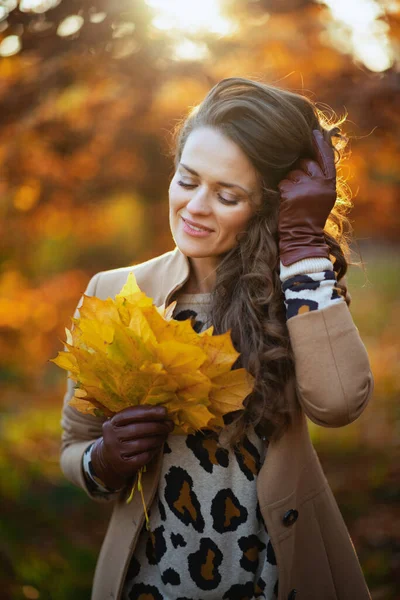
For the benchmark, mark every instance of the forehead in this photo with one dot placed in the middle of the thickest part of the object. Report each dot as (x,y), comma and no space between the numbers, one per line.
(214,156)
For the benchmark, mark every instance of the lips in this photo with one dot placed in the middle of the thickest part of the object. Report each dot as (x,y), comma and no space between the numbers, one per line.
(197,225)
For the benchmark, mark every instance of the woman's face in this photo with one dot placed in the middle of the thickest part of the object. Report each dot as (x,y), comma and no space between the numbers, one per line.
(216,187)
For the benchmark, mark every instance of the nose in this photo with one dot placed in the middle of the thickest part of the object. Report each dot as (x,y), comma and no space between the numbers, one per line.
(198,201)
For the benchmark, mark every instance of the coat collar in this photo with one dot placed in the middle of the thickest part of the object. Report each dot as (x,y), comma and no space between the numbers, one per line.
(175,274)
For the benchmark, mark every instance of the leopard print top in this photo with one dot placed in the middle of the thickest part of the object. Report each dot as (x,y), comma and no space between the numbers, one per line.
(208,539)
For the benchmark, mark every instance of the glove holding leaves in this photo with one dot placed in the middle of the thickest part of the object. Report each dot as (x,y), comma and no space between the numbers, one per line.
(131,439)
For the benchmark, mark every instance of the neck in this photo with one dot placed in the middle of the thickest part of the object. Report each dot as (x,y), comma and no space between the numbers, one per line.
(202,275)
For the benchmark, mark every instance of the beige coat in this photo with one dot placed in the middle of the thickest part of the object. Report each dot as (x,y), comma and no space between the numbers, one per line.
(315,555)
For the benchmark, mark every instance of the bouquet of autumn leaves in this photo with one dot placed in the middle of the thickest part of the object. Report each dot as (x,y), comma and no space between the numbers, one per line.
(127,351)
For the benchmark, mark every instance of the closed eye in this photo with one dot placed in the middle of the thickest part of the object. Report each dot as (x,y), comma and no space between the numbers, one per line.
(190,186)
(187,185)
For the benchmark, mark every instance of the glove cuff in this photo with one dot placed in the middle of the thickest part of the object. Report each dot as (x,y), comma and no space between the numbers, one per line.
(296,252)
(102,469)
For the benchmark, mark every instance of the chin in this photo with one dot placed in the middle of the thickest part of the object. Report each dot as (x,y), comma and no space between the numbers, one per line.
(192,249)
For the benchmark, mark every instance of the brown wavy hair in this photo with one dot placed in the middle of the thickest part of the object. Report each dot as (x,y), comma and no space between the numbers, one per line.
(273,127)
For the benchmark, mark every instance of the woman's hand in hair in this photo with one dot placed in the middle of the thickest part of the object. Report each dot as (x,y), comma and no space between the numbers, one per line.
(131,438)
(308,194)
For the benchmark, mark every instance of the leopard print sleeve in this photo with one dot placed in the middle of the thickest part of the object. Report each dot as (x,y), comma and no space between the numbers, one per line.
(309,284)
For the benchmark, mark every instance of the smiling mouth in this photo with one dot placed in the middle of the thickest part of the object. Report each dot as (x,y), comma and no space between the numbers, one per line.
(195,228)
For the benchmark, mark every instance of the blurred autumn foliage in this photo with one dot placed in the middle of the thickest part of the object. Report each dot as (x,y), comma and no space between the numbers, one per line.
(85,122)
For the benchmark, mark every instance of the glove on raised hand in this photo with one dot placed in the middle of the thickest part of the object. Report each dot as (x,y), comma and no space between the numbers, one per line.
(131,438)
(308,194)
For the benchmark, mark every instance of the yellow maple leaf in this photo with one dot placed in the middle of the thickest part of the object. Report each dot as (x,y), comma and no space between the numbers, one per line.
(221,354)
(229,390)
(166,312)
(192,385)
(85,407)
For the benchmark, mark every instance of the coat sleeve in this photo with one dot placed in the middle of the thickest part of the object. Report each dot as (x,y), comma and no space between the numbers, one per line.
(79,430)
(333,375)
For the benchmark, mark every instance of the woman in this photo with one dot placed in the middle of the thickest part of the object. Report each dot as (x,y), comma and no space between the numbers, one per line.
(259,251)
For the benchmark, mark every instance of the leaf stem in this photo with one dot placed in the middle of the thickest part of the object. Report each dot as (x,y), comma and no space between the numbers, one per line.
(138,481)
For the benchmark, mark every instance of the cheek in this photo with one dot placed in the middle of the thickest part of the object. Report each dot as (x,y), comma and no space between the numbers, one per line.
(236,221)
(176,194)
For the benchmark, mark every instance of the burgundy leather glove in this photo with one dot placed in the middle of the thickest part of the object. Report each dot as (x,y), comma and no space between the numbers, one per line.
(131,438)
(308,195)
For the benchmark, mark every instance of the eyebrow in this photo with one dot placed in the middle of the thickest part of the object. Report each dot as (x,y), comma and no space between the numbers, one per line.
(223,183)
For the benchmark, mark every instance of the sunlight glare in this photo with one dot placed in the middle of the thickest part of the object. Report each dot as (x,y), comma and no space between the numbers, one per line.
(188,17)
(70,25)
(368,35)
(188,50)
(10,45)
(37,6)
